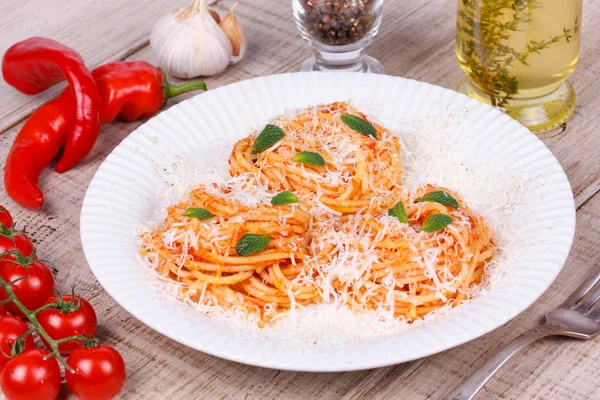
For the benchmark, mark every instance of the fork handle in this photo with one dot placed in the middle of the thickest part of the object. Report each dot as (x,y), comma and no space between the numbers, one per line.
(469,388)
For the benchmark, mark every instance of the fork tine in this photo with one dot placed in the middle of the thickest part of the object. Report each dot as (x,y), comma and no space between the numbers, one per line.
(595,314)
(581,291)
(588,300)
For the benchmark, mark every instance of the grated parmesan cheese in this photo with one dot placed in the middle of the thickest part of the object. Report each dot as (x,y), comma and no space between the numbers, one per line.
(432,153)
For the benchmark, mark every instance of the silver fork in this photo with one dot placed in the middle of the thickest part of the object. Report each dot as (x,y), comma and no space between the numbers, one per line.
(577,317)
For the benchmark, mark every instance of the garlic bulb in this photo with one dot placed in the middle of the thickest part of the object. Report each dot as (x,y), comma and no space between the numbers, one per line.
(188,42)
(233,30)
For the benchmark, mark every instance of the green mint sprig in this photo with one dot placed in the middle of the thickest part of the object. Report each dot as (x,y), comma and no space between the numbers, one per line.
(436,222)
(440,197)
(399,212)
(359,125)
(284,198)
(309,157)
(199,213)
(251,243)
(267,138)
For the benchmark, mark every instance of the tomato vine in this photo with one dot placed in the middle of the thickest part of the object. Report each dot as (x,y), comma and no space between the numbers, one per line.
(31,315)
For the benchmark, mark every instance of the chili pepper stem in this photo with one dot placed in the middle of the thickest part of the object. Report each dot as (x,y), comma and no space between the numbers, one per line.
(170,90)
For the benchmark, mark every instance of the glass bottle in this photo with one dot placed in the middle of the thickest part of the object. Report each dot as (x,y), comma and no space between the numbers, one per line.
(518,54)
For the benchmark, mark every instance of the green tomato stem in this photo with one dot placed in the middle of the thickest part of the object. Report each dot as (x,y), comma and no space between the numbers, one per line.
(37,327)
(69,338)
(45,307)
(29,332)
(34,321)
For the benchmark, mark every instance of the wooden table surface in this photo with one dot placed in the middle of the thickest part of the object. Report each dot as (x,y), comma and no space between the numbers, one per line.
(416,41)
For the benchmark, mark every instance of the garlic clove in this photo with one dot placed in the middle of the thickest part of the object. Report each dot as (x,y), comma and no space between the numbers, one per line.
(188,42)
(234,32)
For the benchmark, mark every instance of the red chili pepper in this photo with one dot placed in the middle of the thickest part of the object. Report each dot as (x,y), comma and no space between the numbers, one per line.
(36,145)
(128,91)
(133,90)
(36,64)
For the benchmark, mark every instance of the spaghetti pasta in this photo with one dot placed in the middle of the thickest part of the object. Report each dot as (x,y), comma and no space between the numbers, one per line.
(355,236)
(201,254)
(357,167)
(378,262)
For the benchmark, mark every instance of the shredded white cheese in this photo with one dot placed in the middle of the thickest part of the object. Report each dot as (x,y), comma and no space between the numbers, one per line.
(433,152)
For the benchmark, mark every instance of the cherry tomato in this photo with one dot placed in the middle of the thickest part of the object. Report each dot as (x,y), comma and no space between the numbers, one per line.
(21,243)
(3,310)
(61,323)
(10,329)
(5,217)
(32,291)
(29,377)
(99,372)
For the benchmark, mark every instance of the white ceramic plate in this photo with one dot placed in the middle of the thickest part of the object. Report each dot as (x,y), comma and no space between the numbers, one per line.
(126,190)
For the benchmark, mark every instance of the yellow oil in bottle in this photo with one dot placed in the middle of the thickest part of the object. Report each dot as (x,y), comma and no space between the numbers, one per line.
(518,55)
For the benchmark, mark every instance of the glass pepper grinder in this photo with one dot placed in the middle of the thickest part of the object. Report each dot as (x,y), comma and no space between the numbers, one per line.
(339,31)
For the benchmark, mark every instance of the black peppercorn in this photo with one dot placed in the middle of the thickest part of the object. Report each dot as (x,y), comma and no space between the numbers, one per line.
(337,22)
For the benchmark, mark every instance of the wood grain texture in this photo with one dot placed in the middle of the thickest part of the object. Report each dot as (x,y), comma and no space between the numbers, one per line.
(416,41)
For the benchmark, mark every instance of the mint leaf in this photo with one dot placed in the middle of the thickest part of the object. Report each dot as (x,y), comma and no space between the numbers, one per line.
(436,222)
(399,212)
(308,157)
(439,197)
(267,138)
(251,243)
(284,198)
(199,213)
(359,125)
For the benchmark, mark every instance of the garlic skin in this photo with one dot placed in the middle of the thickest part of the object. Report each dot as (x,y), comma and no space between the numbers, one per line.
(215,15)
(234,32)
(188,42)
